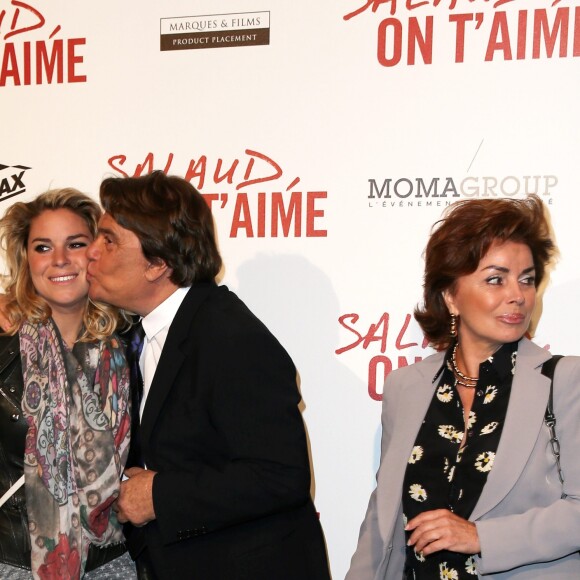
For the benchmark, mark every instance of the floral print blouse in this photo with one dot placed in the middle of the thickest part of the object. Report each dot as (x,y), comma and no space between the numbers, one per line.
(444,474)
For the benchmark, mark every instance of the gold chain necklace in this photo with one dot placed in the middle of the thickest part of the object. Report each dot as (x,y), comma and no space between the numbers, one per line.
(463,380)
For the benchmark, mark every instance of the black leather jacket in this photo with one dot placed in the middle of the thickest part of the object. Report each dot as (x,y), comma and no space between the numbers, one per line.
(14,537)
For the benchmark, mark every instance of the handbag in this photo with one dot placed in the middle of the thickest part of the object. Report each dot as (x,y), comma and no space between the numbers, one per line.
(548,369)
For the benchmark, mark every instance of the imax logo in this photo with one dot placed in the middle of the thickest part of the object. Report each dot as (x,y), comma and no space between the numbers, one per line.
(12,180)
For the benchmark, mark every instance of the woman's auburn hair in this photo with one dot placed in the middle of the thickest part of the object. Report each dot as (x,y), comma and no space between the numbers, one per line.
(461,239)
(22,301)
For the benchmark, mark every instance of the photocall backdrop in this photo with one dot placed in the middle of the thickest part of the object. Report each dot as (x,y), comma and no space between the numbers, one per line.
(328,137)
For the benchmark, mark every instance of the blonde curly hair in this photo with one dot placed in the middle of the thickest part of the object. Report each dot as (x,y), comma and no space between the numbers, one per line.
(22,301)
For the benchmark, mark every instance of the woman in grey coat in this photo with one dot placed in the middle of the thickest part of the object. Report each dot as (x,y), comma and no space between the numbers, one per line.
(469,485)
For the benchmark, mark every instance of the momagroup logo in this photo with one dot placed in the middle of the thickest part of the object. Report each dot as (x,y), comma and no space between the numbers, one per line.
(12,180)
(215,31)
(442,191)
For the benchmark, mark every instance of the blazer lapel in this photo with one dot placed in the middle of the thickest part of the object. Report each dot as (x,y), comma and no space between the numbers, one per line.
(524,419)
(172,356)
(412,405)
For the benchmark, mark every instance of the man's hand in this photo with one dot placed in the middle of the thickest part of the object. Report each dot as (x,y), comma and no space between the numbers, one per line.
(135,503)
(437,530)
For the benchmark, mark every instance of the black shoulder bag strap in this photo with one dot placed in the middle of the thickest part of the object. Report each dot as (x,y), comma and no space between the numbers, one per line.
(548,369)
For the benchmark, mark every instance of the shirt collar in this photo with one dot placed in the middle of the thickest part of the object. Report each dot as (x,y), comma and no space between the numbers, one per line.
(163,315)
(502,361)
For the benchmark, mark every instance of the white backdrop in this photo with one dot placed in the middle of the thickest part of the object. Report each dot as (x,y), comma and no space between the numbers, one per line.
(331,134)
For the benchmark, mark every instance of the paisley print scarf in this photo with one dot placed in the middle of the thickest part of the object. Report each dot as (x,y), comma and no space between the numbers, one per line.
(76,446)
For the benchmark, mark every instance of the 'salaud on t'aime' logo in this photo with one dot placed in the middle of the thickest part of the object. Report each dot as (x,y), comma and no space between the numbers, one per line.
(29,60)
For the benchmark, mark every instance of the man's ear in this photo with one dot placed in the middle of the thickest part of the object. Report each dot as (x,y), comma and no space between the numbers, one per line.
(156,270)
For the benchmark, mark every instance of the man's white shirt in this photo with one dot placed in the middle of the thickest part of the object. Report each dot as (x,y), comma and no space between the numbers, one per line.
(156,326)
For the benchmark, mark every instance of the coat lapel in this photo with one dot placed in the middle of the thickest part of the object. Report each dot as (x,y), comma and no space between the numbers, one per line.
(524,419)
(172,356)
(411,407)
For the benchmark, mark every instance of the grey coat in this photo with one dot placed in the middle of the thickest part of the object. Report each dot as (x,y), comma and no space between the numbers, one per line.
(526,530)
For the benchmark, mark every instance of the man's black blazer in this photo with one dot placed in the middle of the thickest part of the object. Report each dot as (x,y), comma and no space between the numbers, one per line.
(222,429)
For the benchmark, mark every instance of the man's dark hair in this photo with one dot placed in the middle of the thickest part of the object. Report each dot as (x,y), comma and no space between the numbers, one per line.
(172,221)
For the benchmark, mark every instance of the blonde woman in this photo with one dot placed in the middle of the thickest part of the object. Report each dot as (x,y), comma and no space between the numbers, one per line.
(64,398)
